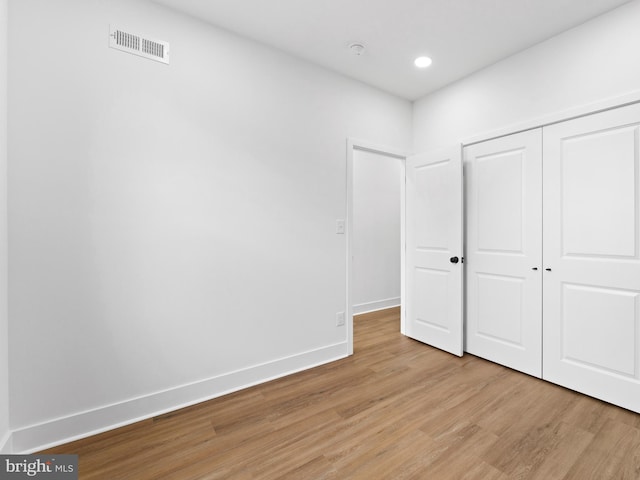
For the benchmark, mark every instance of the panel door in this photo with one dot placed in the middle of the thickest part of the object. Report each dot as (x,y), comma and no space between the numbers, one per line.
(433,308)
(591,236)
(504,250)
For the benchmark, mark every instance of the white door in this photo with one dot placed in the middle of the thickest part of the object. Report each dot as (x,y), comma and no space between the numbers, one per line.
(592,253)
(504,250)
(434,249)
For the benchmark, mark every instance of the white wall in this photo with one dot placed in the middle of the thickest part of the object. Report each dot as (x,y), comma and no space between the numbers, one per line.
(172,228)
(376,231)
(4,343)
(587,64)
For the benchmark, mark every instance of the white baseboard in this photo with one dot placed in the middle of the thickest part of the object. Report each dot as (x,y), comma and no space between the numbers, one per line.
(6,447)
(84,424)
(377,305)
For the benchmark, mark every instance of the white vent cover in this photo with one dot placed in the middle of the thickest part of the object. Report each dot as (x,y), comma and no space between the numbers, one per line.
(139,45)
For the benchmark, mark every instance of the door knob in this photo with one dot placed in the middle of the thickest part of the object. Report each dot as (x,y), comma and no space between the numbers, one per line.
(548,269)
(454,259)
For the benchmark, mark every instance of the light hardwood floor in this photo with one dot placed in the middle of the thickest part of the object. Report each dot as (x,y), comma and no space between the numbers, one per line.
(396,409)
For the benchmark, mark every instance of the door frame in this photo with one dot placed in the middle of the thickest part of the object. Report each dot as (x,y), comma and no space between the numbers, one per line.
(354,144)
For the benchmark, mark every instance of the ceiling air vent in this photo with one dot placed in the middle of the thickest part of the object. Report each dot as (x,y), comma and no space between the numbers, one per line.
(139,45)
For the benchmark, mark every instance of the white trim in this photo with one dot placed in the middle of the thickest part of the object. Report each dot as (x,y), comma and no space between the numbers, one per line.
(356,144)
(375,306)
(84,424)
(556,117)
(377,148)
(403,245)
(351,145)
(6,447)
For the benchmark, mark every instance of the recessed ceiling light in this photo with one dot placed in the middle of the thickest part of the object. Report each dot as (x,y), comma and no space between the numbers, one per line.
(422,62)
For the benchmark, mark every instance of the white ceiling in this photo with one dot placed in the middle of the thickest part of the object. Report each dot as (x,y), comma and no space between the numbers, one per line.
(461,36)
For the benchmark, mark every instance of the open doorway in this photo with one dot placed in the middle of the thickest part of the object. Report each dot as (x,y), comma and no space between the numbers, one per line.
(375,226)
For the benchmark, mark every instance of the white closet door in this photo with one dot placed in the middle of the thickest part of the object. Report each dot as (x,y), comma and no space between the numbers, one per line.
(591,235)
(434,233)
(504,250)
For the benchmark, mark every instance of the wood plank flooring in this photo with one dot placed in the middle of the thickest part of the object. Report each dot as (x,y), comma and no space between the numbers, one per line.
(397,409)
